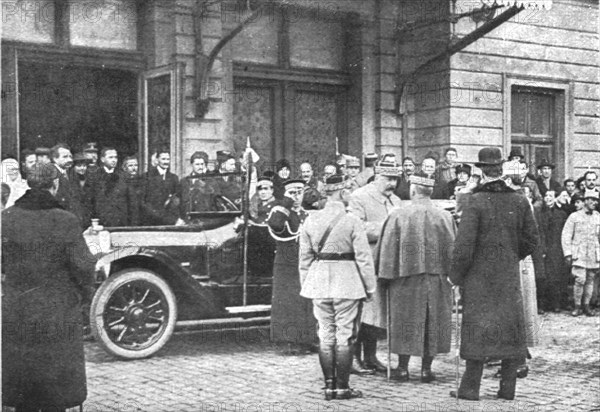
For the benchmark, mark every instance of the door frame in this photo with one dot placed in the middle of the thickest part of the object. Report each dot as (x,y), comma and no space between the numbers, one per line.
(563,147)
(176,71)
(14,52)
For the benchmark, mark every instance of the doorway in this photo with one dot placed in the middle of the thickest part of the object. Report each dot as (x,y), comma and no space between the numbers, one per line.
(76,105)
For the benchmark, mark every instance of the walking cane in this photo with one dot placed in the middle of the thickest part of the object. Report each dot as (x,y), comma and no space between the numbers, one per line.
(389,334)
(457,345)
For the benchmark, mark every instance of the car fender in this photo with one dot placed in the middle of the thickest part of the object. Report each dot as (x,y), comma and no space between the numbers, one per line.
(186,288)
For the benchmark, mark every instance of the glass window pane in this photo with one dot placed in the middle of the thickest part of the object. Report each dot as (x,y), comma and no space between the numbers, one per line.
(541,107)
(110,24)
(258,42)
(518,112)
(316,44)
(30,21)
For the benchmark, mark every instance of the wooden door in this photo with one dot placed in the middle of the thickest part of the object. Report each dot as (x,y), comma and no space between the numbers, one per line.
(162,94)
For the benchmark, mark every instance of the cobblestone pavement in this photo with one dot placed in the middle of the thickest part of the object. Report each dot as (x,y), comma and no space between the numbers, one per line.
(239,370)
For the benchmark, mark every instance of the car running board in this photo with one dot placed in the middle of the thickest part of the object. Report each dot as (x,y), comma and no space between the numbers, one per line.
(235,310)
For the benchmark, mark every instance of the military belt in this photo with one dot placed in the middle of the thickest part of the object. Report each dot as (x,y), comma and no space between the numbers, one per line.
(335,256)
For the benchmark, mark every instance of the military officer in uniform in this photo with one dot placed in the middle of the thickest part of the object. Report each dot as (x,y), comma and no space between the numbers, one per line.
(372,204)
(413,254)
(353,169)
(336,272)
(292,321)
(367,173)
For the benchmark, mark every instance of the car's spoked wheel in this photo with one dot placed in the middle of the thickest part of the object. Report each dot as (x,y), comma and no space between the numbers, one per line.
(134,313)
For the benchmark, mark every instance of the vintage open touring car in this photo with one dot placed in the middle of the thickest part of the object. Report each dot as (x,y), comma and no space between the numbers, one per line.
(152,276)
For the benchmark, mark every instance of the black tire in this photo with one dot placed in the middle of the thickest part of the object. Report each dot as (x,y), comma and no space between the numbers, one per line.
(133,314)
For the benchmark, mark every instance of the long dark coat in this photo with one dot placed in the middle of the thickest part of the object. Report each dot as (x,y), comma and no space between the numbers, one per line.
(161,198)
(496,231)
(292,319)
(108,192)
(552,221)
(80,207)
(48,273)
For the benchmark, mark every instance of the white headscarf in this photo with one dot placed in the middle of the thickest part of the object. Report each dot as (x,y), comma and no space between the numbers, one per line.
(11,175)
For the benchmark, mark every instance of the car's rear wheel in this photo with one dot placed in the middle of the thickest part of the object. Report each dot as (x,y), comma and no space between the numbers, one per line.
(133,313)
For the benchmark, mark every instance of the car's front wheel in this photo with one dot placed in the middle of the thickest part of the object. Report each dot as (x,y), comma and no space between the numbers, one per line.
(133,313)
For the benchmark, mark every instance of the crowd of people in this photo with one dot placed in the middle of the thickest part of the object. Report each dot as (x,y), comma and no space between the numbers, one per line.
(343,240)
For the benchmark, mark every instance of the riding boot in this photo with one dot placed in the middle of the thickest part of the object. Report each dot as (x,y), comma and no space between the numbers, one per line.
(327,361)
(343,361)
(508,382)
(401,374)
(426,374)
(471,381)
(370,349)
(358,366)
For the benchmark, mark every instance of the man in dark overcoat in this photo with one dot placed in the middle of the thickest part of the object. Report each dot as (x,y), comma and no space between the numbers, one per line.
(292,320)
(496,231)
(413,256)
(161,193)
(47,272)
(108,191)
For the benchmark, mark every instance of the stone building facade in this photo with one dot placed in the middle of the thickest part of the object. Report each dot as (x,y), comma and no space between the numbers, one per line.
(301,78)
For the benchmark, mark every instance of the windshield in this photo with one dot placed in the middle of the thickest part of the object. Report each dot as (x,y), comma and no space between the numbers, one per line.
(212,193)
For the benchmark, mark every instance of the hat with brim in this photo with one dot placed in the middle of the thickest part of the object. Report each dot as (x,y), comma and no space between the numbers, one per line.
(336,182)
(371,156)
(264,181)
(42,175)
(591,194)
(294,183)
(516,152)
(388,169)
(421,181)
(489,156)
(80,158)
(545,163)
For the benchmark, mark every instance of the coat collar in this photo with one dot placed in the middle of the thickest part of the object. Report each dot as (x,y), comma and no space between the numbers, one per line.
(376,194)
(495,186)
(37,199)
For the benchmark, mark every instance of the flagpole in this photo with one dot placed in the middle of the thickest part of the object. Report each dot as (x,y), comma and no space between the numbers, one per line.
(246,215)
(389,334)
(457,338)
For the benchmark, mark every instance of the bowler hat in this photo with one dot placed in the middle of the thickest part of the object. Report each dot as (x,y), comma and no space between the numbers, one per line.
(516,152)
(42,175)
(545,163)
(489,156)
